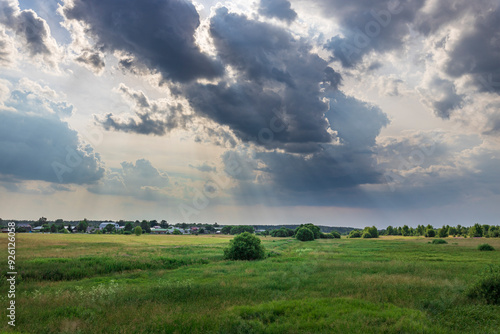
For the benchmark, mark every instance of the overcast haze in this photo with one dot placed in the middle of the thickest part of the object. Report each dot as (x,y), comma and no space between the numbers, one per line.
(344,113)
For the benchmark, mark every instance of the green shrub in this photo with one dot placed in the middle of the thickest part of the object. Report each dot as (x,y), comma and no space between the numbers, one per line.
(304,234)
(355,234)
(439,241)
(244,246)
(366,235)
(138,230)
(177,232)
(485,247)
(335,234)
(127,232)
(372,231)
(487,288)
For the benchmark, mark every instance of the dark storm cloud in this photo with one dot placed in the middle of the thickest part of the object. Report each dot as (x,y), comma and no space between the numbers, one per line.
(278,86)
(478,50)
(333,167)
(151,117)
(33,147)
(157,33)
(280,9)
(32,30)
(368,25)
(357,123)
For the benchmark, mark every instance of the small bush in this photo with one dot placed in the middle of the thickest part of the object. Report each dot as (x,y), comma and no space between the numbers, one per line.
(127,232)
(244,246)
(335,234)
(304,234)
(487,288)
(485,247)
(439,241)
(138,230)
(355,234)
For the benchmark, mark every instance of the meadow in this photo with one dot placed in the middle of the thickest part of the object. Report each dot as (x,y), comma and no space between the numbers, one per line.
(181,284)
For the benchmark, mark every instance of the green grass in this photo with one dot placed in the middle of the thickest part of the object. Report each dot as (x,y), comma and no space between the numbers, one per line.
(181,284)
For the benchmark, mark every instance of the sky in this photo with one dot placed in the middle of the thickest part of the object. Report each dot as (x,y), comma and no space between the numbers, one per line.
(335,112)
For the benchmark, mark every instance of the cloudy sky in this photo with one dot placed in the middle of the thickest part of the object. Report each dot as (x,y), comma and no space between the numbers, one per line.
(336,112)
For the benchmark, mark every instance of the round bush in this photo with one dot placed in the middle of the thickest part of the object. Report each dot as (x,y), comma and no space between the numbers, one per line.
(439,241)
(304,234)
(138,230)
(335,234)
(244,246)
(354,234)
(485,247)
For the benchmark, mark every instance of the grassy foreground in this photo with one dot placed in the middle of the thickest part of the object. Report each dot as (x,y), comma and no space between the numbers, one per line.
(181,284)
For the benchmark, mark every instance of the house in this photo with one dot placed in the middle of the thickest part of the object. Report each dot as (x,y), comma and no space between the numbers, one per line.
(25,226)
(37,229)
(90,229)
(102,226)
(194,229)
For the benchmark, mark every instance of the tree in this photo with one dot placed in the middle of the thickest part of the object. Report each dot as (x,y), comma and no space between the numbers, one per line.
(163,224)
(82,226)
(389,230)
(244,246)
(366,235)
(138,230)
(405,231)
(41,221)
(242,228)
(373,231)
(304,234)
(145,226)
(430,233)
(129,226)
(443,232)
(226,229)
(53,228)
(282,232)
(110,228)
(177,232)
(314,229)
(476,231)
(70,228)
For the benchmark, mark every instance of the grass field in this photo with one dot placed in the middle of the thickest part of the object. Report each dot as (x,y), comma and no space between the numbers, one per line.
(181,284)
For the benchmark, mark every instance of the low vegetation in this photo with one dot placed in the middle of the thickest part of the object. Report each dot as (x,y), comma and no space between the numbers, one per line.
(244,246)
(485,247)
(487,287)
(439,241)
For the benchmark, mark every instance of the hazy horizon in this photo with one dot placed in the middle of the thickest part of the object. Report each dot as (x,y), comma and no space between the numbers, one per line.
(338,113)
